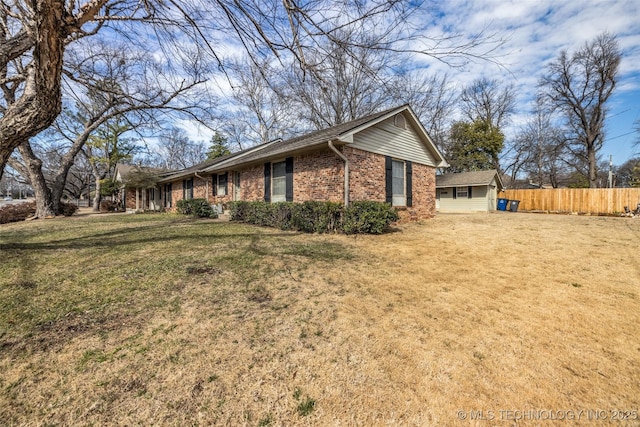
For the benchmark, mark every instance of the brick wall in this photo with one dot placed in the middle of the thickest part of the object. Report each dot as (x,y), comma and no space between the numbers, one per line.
(252,183)
(320,176)
(424,193)
(366,175)
(130,198)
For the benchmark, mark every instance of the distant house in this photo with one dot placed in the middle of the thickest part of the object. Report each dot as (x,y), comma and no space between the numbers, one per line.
(386,157)
(468,191)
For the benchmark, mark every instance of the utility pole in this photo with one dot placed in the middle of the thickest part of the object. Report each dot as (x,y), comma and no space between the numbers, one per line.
(610,171)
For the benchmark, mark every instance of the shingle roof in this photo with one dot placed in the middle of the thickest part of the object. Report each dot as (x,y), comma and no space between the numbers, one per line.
(196,168)
(282,147)
(468,178)
(125,170)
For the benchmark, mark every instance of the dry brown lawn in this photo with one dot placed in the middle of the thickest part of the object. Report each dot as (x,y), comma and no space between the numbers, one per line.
(151,320)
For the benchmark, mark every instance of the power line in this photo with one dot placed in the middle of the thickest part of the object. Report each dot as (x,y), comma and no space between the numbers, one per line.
(620,136)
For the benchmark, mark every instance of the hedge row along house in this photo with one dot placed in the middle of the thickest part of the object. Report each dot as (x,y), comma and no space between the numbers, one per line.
(385,157)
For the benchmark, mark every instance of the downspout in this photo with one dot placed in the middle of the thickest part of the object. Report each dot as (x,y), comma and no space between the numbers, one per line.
(206,184)
(346,172)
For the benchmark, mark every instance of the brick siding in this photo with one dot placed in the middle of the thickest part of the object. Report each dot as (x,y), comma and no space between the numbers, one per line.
(319,175)
(366,175)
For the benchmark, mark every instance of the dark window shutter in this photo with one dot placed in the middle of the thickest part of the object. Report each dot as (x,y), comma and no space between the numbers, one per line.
(469,192)
(388,179)
(409,170)
(226,183)
(267,182)
(289,179)
(455,195)
(184,189)
(214,181)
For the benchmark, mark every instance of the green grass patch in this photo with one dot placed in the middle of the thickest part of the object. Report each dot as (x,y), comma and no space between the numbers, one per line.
(67,276)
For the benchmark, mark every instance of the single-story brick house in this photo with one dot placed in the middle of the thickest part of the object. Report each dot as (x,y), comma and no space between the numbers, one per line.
(386,157)
(138,198)
(468,191)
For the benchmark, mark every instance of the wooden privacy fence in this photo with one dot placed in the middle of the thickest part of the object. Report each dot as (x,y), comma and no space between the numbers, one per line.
(575,200)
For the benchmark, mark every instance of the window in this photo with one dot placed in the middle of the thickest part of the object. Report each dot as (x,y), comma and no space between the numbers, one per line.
(278,181)
(400,121)
(398,182)
(462,192)
(220,184)
(397,174)
(167,195)
(236,186)
(187,189)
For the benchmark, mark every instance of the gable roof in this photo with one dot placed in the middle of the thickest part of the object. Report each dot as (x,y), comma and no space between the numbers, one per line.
(122,170)
(340,134)
(462,179)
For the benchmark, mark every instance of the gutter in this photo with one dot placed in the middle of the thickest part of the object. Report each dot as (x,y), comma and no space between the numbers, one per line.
(346,171)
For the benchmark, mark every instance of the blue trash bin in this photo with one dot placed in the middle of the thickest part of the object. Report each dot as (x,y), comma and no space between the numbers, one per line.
(502,204)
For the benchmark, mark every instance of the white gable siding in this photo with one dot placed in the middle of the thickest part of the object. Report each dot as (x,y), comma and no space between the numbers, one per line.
(389,140)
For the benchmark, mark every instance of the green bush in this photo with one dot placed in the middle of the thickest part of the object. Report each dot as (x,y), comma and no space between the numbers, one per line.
(316,217)
(368,218)
(196,207)
(68,209)
(108,206)
(237,210)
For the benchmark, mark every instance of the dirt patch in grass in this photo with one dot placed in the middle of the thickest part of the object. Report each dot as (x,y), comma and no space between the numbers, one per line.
(178,322)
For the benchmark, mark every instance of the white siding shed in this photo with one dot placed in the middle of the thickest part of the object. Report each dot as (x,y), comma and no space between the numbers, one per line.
(468,191)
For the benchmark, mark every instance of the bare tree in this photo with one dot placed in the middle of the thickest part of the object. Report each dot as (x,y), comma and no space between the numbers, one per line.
(35,34)
(538,149)
(579,85)
(264,112)
(489,101)
(102,83)
(177,151)
(351,80)
(433,99)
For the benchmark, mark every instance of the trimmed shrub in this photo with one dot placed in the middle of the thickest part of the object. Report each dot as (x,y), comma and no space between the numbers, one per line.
(108,206)
(316,217)
(17,212)
(68,209)
(196,207)
(237,210)
(368,218)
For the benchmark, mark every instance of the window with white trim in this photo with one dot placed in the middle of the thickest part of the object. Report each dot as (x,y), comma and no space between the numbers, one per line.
(279,182)
(399,121)
(187,189)
(221,184)
(462,192)
(398,183)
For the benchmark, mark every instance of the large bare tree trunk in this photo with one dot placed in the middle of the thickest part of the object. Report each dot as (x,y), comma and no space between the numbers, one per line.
(44,204)
(41,100)
(593,173)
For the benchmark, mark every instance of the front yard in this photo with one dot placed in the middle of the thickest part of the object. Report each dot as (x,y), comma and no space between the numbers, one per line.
(161,320)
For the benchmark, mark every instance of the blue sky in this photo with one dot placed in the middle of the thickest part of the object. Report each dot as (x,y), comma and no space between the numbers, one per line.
(535,32)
